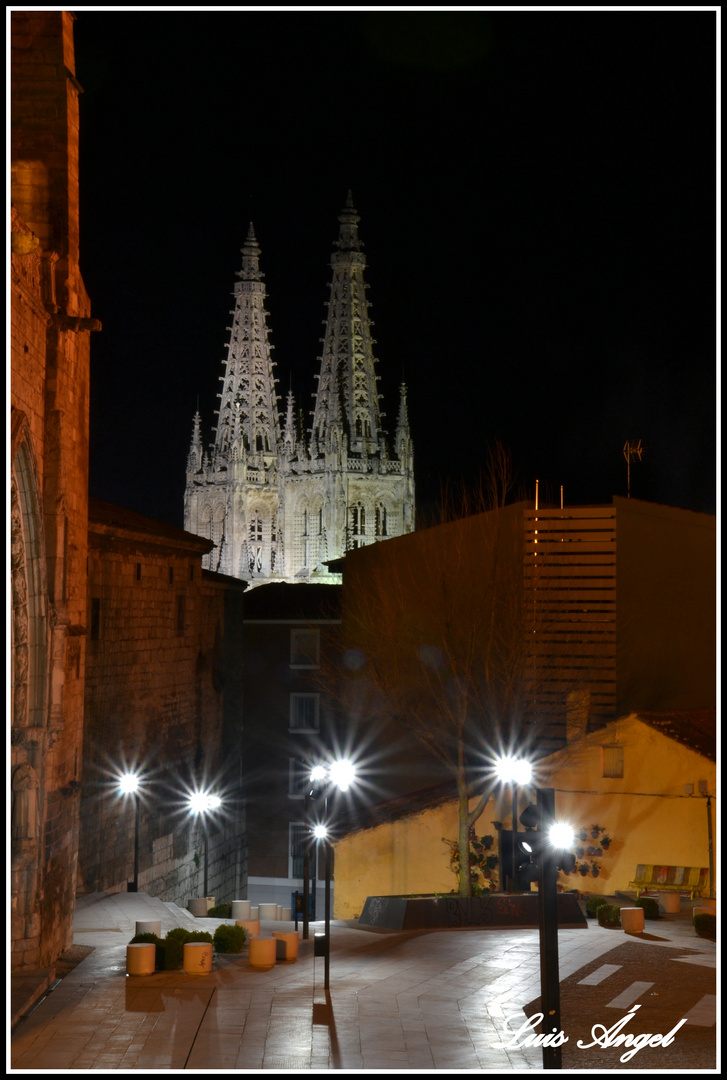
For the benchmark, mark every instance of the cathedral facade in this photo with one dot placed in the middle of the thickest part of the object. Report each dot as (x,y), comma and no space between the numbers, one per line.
(278,502)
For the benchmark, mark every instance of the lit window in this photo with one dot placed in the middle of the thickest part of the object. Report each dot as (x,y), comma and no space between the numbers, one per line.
(304,648)
(613,761)
(304,711)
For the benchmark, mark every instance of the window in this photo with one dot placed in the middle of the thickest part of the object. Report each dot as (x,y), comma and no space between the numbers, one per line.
(138,571)
(357,525)
(613,761)
(298,834)
(305,648)
(304,711)
(171,575)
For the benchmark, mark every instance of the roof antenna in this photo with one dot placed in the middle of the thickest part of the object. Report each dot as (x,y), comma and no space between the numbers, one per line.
(632,450)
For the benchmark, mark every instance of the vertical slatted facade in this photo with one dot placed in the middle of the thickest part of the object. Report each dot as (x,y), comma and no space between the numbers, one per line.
(570,600)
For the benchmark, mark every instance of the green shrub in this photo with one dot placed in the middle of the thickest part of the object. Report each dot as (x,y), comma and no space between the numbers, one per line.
(198,935)
(220,911)
(650,906)
(148,938)
(229,939)
(593,903)
(705,924)
(609,915)
(179,933)
(174,951)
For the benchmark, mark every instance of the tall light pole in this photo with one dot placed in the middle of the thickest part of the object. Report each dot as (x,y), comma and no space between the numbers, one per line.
(317,776)
(201,802)
(339,775)
(129,785)
(515,771)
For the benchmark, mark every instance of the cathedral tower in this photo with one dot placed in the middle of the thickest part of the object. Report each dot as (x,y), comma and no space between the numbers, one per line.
(278,505)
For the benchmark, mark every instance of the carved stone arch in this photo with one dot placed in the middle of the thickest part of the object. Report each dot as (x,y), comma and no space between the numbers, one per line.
(384,516)
(301,524)
(30,627)
(30,666)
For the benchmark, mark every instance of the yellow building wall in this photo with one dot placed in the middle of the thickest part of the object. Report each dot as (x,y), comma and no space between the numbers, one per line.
(646,813)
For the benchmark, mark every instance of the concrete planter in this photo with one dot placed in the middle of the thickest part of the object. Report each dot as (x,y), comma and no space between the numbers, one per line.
(141,959)
(632,920)
(197,957)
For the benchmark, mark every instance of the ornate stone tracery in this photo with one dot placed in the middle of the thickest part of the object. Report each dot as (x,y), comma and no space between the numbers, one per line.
(321,491)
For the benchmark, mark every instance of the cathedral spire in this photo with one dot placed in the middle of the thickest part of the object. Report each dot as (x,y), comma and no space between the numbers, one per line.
(276,505)
(289,439)
(347,400)
(194,458)
(248,415)
(403,435)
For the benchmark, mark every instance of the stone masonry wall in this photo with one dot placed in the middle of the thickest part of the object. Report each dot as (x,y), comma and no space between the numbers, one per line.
(155,703)
(50,357)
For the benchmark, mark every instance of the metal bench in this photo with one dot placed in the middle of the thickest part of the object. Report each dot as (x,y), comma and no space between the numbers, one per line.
(683,879)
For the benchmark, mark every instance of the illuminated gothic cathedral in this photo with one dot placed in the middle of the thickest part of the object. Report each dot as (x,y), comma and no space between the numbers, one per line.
(277,504)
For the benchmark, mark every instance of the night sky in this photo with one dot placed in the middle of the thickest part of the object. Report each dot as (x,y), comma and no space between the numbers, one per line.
(537,196)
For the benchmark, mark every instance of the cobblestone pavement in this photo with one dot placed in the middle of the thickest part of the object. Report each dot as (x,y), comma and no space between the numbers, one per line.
(437,1000)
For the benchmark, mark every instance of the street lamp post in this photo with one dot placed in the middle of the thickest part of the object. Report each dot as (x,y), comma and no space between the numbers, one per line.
(515,771)
(548,920)
(338,776)
(129,785)
(317,775)
(201,802)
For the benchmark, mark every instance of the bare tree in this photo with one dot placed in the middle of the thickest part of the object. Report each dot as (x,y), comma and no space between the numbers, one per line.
(434,621)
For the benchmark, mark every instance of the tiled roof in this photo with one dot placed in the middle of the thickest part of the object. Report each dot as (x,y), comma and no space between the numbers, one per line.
(695,728)
(104,517)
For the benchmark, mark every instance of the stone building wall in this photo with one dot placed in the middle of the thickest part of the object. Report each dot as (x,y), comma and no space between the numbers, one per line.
(50,353)
(155,704)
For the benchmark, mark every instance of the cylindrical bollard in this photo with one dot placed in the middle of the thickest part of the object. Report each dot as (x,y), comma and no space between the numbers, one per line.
(252,927)
(632,919)
(197,957)
(198,907)
(263,952)
(141,958)
(241,909)
(286,916)
(150,926)
(210,902)
(254,912)
(670,903)
(268,912)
